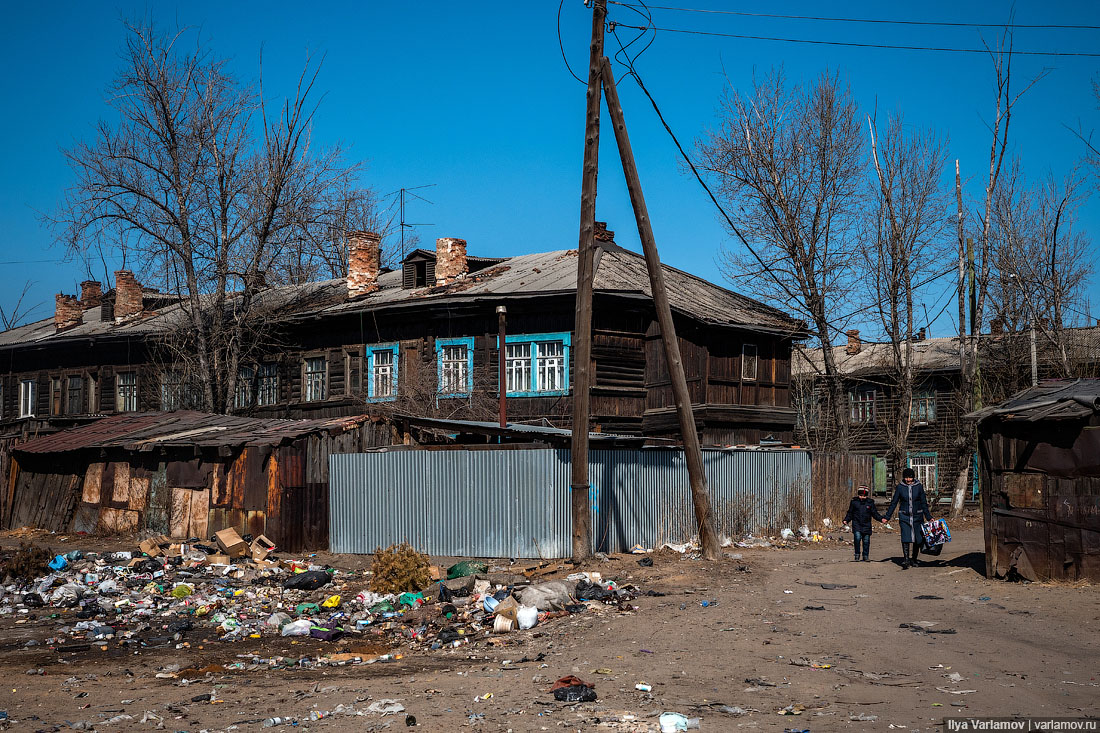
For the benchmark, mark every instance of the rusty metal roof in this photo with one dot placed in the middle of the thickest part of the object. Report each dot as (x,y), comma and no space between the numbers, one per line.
(1051,399)
(146,431)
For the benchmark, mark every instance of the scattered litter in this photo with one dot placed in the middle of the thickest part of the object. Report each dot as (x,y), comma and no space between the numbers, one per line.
(955,692)
(863,717)
(671,722)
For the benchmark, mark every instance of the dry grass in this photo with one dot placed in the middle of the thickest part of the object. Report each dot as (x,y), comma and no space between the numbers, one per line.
(399,568)
(27,563)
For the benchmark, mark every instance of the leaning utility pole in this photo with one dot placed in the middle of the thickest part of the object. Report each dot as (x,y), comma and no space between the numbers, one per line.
(700,499)
(586,257)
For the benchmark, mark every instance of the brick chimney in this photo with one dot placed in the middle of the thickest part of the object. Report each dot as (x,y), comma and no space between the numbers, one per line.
(601,233)
(91,294)
(67,313)
(996,326)
(127,295)
(450,260)
(364,262)
(921,334)
(854,344)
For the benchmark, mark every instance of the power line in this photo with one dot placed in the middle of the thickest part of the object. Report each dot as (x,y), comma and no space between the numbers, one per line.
(946,24)
(562,47)
(854,44)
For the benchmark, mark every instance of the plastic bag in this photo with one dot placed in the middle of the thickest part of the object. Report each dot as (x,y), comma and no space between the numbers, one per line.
(466,567)
(309,580)
(527,616)
(552,596)
(575,693)
(593,592)
(297,628)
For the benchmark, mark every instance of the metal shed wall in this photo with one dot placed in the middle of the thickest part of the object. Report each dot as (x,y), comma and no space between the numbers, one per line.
(515,503)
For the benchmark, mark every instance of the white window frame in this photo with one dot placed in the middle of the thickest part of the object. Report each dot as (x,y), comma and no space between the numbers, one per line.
(242,393)
(455,375)
(314,380)
(862,405)
(382,377)
(925,465)
(545,373)
(28,397)
(126,401)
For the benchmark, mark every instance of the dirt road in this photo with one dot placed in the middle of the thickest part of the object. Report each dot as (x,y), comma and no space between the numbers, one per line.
(804,629)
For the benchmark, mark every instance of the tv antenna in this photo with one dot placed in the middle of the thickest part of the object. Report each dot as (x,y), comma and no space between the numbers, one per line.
(402,195)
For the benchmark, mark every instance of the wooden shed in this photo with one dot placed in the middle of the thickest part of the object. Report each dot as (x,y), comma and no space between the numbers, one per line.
(185,474)
(1040,482)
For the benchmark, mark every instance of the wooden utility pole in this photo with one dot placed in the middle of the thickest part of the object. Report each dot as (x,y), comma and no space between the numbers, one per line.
(502,355)
(700,498)
(582,331)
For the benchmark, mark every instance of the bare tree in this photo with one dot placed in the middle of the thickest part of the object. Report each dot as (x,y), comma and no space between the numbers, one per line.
(19,311)
(220,194)
(970,396)
(788,160)
(901,248)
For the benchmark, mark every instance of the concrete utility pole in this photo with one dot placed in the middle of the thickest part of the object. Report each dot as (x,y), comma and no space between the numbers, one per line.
(582,332)
(700,498)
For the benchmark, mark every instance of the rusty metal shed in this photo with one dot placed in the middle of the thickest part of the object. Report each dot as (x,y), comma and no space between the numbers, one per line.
(1040,482)
(185,474)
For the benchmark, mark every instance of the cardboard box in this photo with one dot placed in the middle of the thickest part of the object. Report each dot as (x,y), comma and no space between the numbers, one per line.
(231,542)
(151,546)
(262,547)
(218,559)
(437,573)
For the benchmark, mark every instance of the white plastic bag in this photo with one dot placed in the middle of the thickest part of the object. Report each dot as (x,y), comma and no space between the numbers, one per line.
(528,617)
(297,628)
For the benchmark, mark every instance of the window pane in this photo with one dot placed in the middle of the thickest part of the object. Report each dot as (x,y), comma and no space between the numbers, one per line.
(267,389)
(243,397)
(382,373)
(453,371)
(517,367)
(76,396)
(27,392)
(551,366)
(315,379)
(126,392)
(748,361)
(862,406)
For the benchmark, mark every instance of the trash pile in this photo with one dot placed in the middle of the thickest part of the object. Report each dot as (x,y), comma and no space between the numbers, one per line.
(169,594)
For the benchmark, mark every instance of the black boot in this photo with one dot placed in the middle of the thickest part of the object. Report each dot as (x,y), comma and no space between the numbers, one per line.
(913,559)
(905,555)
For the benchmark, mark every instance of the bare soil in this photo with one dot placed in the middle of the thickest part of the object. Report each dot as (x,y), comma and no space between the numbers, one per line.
(802,628)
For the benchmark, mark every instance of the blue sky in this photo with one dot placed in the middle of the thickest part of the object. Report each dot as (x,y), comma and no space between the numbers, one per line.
(476,99)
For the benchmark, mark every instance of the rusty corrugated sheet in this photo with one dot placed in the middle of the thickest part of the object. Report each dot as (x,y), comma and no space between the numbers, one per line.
(182,429)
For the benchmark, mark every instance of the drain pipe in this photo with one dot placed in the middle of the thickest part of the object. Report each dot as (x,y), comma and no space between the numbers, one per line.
(501,359)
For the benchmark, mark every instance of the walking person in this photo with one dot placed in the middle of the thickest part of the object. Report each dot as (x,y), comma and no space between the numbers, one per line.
(860,513)
(912,506)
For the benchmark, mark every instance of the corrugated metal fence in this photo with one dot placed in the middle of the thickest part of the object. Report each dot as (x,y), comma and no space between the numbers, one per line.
(515,503)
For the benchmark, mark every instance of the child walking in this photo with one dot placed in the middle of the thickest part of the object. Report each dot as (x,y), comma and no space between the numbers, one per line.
(860,513)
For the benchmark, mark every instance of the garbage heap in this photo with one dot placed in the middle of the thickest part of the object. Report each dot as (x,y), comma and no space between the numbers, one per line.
(167,594)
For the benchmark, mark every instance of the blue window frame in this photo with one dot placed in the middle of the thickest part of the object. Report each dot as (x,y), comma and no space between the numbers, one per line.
(382,366)
(455,366)
(536,365)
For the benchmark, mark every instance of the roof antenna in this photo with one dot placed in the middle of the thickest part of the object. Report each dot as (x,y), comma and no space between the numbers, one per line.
(401,194)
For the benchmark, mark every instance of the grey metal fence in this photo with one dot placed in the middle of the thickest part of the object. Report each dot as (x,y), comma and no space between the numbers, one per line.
(515,503)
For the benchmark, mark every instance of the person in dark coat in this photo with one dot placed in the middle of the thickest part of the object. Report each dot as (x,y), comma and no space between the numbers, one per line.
(860,513)
(912,506)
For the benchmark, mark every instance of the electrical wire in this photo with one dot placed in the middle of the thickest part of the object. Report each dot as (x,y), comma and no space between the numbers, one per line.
(562,47)
(946,24)
(854,44)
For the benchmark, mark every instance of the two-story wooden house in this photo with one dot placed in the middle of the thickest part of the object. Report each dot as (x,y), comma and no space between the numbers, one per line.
(423,340)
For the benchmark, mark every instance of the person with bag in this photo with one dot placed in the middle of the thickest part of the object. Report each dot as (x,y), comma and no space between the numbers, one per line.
(912,506)
(860,513)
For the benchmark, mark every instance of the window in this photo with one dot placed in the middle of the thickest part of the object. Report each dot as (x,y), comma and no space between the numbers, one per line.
(75,401)
(267,384)
(517,367)
(456,366)
(178,392)
(126,392)
(55,395)
(93,393)
(315,379)
(862,405)
(924,465)
(242,396)
(923,408)
(748,362)
(28,392)
(537,364)
(382,363)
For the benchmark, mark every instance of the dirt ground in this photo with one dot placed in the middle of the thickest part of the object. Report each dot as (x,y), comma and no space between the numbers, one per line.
(801,627)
